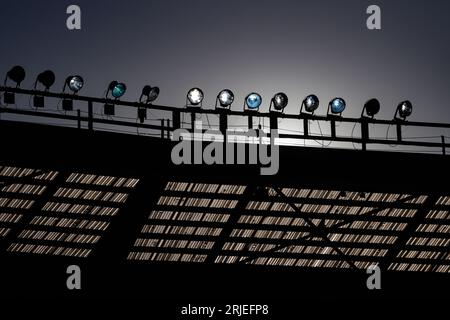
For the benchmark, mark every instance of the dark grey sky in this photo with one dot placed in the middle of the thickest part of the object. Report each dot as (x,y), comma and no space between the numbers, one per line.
(300,47)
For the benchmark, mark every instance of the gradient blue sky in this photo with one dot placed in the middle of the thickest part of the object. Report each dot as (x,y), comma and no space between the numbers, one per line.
(300,47)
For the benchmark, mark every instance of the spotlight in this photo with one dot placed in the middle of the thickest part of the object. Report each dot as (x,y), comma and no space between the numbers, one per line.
(75,83)
(16,74)
(252,102)
(151,93)
(225,98)
(310,103)
(46,78)
(117,90)
(279,102)
(337,106)
(404,110)
(371,107)
(194,97)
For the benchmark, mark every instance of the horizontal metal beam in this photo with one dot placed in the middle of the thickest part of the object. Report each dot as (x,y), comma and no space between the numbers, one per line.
(214,111)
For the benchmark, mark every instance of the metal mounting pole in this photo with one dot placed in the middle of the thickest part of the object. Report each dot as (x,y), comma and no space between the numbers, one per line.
(90,116)
(443,145)
(364,134)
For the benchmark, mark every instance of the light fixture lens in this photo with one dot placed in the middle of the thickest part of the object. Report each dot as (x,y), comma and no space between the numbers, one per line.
(405,109)
(280,101)
(153,94)
(16,74)
(253,101)
(372,107)
(47,78)
(195,96)
(75,83)
(226,98)
(311,103)
(119,90)
(146,90)
(337,105)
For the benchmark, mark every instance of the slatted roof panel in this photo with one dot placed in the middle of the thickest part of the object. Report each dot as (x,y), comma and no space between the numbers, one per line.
(55,213)
(351,229)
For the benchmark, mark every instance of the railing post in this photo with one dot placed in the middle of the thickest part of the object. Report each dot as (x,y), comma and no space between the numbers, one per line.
(333,128)
(176,120)
(273,122)
(79,118)
(193,117)
(223,125)
(443,145)
(250,121)
(364,134)
(168,129)
(305,127)
(90,116)
(162,129)
(399,132)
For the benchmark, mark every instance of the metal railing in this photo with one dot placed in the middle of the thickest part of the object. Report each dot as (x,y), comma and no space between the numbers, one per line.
(173,121)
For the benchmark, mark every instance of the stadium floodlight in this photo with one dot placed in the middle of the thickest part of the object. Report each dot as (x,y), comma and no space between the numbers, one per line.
(310,104)
(371,108)
(117,90)
(278,102)
(150,94)
(75,84)
(17,75)
(404,110)
(336,106)
(46,78)
(225,98)
(194,97)
(252,102)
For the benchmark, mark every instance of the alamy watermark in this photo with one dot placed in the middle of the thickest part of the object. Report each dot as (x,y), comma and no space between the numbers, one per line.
(73,281)
(73,21)
(208,147)
(374,280)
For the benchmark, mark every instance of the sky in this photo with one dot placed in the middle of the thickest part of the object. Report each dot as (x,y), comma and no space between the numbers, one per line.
(298,47)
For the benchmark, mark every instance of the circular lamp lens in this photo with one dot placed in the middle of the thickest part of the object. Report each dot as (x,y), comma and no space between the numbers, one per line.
(337,105)
(195,96)
(146,90)
(153,94)
(280,101)
(372,107)
(47,78)
(253,101)
(16,74)
(75,83)
(226,98)
(311,103)
(119,90)
(405,109)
